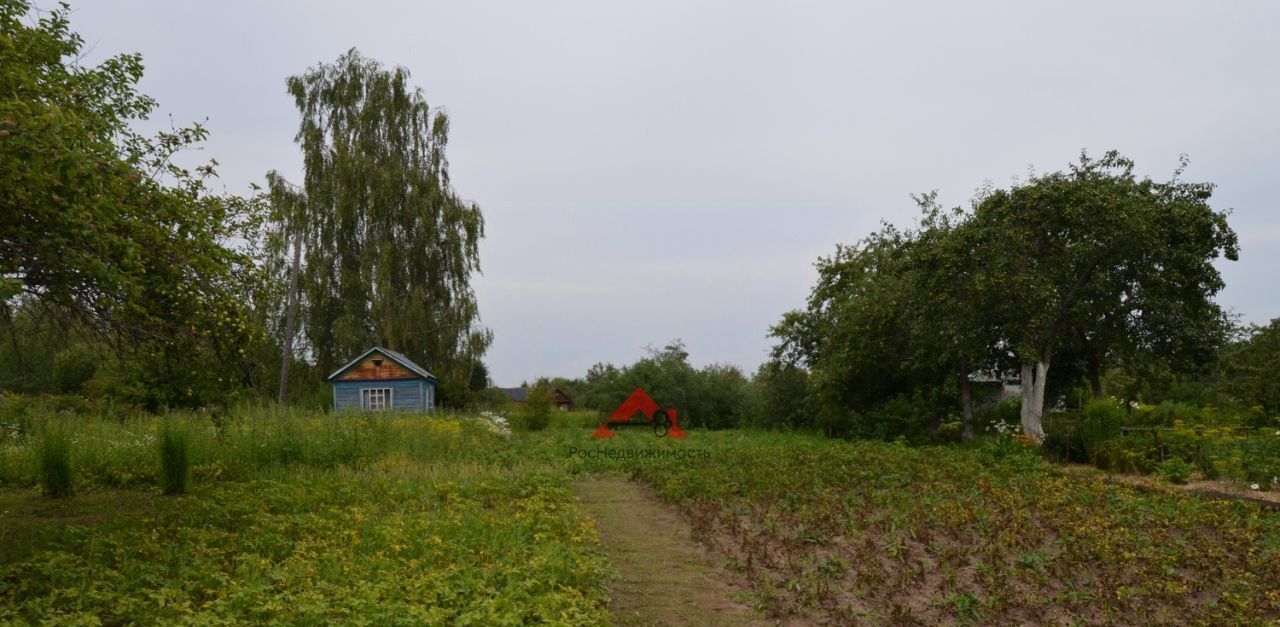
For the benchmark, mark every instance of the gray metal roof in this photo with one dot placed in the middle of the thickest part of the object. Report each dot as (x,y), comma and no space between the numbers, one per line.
(396,357)
(515,394)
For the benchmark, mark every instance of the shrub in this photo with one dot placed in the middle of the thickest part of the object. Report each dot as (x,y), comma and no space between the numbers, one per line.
(1061,443)
(1257,417)
(1169,412)
(1100,421)
(910,416)
(1124,454)
(537,409)
(1261,460)
(724,398)
(175,458)
(15,417)
(55,462)
(1004,418)
(714,397)
(492,399)
(784,396)
(73,367)
(836,423)
(1175,470)
(1248,460)
(1076,437)
(1013,455)
(951,430)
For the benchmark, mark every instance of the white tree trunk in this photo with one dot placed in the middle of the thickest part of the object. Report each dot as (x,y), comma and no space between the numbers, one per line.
(1028,388)
(286,351)
(1034,377)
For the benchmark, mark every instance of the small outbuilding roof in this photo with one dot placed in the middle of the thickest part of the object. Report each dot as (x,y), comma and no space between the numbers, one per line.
(518,395)
(394,356)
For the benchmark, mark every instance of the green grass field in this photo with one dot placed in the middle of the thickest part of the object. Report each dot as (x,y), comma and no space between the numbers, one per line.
(441,520)
(410,520)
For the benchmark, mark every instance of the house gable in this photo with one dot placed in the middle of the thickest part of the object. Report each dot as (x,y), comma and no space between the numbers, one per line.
(375,366)
(378,364)
(561,399)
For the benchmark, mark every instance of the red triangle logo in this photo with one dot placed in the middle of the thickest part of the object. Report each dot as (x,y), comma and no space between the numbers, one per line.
(675,431)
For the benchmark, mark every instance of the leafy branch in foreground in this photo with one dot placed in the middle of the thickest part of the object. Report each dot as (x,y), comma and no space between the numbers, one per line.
(103,228)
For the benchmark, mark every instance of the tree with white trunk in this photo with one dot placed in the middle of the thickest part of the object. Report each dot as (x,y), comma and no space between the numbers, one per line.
(1090,265)
(1098,253)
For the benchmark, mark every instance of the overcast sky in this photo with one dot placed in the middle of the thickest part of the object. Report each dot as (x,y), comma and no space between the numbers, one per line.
(654,170)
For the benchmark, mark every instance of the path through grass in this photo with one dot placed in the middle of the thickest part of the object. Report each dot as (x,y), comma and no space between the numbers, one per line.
(303,519)
(664,577)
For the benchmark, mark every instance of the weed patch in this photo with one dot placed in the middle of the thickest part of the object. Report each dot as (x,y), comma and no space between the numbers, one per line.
(55,462)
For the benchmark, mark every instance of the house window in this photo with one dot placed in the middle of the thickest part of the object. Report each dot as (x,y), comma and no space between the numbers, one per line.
(375,399)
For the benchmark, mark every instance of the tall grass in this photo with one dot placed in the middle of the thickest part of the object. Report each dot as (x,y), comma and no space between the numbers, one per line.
(175,458)
(55,462)
(177,451)
(394,518)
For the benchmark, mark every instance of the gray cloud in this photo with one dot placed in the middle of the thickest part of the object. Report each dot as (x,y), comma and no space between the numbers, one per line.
(671,169)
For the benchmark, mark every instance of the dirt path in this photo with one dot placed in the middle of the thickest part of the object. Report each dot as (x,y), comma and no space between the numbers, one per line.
(1222,490)
(665,578)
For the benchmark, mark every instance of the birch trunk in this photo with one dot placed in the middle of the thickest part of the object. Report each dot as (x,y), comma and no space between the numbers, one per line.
(1042,371)
(1034,377)
(291,316)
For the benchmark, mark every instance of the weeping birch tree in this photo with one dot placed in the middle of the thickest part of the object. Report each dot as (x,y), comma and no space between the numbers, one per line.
(288,214)
(388,246)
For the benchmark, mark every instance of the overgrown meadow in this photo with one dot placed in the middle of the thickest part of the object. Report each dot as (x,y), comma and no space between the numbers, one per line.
(306,519)
(293,518)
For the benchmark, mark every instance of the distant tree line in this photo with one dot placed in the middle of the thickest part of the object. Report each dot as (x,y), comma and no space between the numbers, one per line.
(123,274)
(716,396)
(1073,285)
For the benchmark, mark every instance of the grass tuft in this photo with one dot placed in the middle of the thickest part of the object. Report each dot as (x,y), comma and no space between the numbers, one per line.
(175,457)
(55,462)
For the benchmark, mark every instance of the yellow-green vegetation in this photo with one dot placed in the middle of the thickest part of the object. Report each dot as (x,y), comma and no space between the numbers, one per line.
(296,519)
(310,519)
(1173,440)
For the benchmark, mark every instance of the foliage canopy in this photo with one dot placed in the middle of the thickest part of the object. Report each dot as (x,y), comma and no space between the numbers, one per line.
(390,247)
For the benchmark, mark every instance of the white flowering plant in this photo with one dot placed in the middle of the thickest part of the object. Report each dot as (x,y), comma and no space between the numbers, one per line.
(495,422)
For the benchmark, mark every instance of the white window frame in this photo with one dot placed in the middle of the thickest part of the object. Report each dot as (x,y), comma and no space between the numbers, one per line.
(385,397)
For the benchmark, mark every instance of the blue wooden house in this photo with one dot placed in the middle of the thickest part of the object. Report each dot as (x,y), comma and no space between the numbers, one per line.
(383,380)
